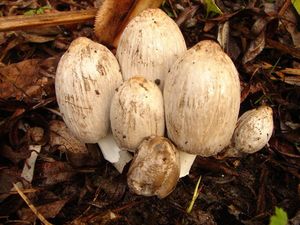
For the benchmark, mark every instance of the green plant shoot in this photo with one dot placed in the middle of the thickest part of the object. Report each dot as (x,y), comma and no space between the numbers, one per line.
(296,4)
(212,8)
(40,10)
(280,217)
(195,196)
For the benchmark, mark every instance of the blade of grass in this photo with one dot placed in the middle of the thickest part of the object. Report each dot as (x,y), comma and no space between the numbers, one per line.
(195,196)
(34,210)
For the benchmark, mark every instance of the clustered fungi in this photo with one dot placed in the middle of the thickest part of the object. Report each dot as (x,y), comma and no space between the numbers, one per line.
(194,93)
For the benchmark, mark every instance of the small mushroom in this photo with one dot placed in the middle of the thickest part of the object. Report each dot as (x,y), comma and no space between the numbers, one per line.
(253,131)
(86,78)
(137,111)
(149,45)
(202,100)
(155,168)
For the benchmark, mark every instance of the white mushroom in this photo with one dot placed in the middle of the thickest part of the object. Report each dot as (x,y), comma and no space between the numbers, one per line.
(86,77)
(202,100)
(137,111)
(253,131)
(149,45)
(155,167)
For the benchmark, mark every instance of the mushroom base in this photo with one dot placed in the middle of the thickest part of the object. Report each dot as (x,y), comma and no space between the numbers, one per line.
(112,153)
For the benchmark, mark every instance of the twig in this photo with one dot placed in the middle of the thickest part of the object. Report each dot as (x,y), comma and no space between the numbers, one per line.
(214,165)
(34,210)
(284,7)
(284,48)
(10,23)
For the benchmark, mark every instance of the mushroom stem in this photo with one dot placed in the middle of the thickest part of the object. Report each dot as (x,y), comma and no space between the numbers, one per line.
(112,153)
(186,162)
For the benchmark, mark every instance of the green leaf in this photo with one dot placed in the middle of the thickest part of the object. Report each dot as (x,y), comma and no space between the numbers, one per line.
(280,217)
(30,12)
(212,8)
(296,4)
(40,10)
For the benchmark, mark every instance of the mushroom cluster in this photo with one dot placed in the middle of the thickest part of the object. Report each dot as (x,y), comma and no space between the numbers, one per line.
(124,103)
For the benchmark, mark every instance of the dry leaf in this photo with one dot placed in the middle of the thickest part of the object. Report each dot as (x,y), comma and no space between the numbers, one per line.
(50,173)
(36,134)
(7,178)
(282,73)
(223,35)
(296,219)
(226,41)
(34,38)
(256,47)
(61,136)
(251,88)
(49,210)
(293,71)
(293,80)
(270,8)
(103,218)
(77,152)
(23,81)
(187,14)
(10,45)
(258,44)
(289,20)
(15,156)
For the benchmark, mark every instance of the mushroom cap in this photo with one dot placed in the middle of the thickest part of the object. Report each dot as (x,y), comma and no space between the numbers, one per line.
(253,130)
(86,77)
(202,100)
(155,167)
(137,111)
(149,45)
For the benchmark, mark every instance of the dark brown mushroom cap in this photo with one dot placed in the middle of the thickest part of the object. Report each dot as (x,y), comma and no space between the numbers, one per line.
(155,168)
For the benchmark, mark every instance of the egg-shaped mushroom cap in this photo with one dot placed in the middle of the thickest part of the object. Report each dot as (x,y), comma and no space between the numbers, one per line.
(86,77)
(253,130)
(137,111)
(155,168)
(149,45)
(202,100)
